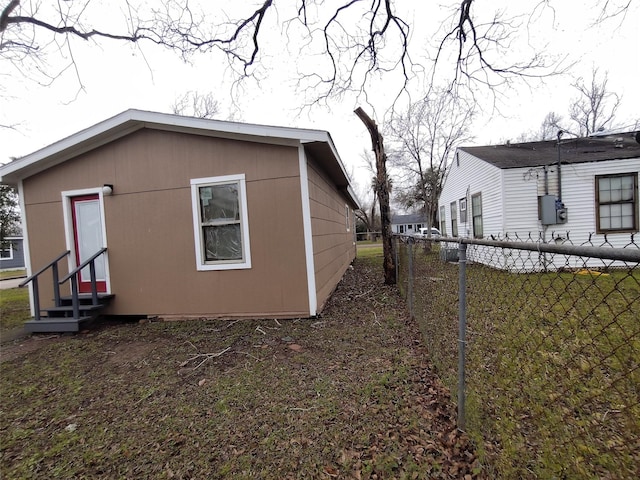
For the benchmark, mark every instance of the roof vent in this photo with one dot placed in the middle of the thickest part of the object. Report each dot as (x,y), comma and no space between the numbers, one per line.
(638,136)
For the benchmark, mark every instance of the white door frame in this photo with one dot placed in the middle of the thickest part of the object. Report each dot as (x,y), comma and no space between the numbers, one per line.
(68,227)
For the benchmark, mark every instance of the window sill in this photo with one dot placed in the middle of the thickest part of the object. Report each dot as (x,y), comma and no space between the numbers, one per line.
(223,266)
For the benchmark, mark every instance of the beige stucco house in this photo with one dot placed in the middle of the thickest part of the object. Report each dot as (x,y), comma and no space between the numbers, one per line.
(199,218)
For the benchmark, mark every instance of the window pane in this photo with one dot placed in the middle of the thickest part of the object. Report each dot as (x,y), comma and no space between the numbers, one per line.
(627,188)
(477,226)
(219,202)
(616,222)
(616,183)
(223,242)
(627,215)
(615,210)
(616,195)
(605,196)
(605,217)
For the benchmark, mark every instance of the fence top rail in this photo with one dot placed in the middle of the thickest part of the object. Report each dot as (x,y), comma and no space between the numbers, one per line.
(629,254)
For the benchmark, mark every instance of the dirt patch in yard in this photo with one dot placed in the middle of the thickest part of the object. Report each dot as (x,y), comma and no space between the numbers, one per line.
(24,345)
(348,395)
(129,353)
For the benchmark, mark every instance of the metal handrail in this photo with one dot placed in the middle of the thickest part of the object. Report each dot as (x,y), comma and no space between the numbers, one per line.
(58,258)
(83,264)
(56,285)
(73,275)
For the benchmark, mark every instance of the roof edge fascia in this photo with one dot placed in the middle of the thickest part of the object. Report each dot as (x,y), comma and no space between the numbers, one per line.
(131,120)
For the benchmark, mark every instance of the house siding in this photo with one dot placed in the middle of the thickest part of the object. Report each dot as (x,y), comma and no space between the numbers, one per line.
(149,226)
(578,195)
(472,176)
(520,203)
(515,211)
(333,246)
(522,187)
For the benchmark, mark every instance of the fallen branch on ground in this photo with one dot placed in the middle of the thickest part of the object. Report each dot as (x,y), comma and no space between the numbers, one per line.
(205,356)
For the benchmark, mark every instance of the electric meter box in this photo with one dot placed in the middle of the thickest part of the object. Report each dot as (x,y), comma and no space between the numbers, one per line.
(561,215)
(552,211)
(548,210)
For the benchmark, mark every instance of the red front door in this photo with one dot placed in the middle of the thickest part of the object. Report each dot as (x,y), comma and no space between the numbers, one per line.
(88,238)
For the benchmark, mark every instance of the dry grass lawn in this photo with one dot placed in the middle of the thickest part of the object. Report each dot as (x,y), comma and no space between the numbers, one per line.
(346,395)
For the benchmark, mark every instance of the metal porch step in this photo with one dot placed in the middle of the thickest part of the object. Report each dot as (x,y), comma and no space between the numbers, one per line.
(86,298)
(56,325)
(66,311)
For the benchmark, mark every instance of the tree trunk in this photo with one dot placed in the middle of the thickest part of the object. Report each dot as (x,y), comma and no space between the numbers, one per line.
(382,191)
(373,235)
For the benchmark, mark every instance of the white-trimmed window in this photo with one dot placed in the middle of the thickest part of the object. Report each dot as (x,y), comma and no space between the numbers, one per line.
(476,210)
(617,203)
(443,221)
(454,218)
(463,210)
(6,251)
(220,222)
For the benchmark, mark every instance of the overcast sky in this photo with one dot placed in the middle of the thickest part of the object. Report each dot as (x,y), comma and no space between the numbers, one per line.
(114,77)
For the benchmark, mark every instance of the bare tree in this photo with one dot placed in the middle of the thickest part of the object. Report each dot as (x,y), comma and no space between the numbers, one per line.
(383,193)
(195,104)
(368,196)
(424,138)
(32,31)
(355,41)
(595,107)
(481,47)
(550,126)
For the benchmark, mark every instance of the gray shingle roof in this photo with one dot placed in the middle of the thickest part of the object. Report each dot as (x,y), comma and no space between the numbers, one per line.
(576,150)
(405,219)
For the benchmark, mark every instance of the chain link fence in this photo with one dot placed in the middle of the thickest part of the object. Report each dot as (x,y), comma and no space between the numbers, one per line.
(544,353)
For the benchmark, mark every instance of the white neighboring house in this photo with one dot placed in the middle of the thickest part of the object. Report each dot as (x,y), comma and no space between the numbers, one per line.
(408,224)
(519,189)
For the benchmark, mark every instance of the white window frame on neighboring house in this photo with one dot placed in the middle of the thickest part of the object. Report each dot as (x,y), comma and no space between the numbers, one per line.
(453,206)
(443,220)
(476,215)
(201,263)
(463,210)
(8,248)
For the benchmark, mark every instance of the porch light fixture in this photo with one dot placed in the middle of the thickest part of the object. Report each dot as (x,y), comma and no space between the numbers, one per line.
(107,189)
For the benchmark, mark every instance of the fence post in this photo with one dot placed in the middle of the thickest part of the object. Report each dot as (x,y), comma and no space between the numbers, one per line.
(410,287)
(462,329)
